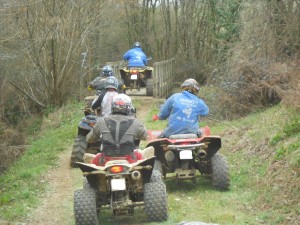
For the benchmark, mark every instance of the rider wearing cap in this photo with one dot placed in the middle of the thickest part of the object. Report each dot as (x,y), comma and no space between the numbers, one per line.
(183,110)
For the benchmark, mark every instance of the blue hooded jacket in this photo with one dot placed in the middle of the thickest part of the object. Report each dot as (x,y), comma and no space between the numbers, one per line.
(135,57)
(182,110)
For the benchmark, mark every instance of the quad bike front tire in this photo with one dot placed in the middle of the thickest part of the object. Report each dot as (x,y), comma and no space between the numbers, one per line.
(155,199)
(149,87)
(219,172)
(85,210)
(79,148)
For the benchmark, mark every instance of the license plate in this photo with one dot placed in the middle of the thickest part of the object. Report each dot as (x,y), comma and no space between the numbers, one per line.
(133,77)
(118,184)
(185,154)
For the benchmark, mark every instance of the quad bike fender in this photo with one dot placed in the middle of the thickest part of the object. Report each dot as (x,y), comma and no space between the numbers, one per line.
(147,70)
(141,69)
(84,126)
(96,174)
(213,145)
(153,135)
(158,150)
(83,129)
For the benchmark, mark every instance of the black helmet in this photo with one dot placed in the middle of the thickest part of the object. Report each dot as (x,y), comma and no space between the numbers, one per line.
(122,104)
(111,82)
(190,85)
(107,71)
(137,44)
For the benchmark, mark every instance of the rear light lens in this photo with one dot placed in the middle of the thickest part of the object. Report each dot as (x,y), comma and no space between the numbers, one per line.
(117,169)
(134,71)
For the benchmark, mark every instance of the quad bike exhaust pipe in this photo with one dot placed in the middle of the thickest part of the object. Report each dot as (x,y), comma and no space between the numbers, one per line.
(136,175)
(201,154)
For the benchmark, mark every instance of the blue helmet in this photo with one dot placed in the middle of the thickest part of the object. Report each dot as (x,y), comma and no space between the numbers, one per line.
(107,71)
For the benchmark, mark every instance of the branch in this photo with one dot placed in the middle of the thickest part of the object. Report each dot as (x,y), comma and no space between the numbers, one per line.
(28,95)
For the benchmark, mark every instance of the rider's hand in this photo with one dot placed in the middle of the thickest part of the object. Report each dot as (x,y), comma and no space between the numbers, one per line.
(90,88)
(155,117)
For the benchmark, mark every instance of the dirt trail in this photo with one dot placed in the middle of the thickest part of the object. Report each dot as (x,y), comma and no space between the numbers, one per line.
(57,204)
(55,207)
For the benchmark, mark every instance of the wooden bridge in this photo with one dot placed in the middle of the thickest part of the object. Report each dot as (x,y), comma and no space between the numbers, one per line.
(162,75)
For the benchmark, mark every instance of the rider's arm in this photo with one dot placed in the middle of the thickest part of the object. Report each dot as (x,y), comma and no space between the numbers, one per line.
(145,60)
(166,108)
(203,108)
(91,86)
(94,134)
(141,131)
(126,56)
(99,100)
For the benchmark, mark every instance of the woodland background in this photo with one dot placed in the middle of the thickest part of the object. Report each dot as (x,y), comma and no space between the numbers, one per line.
(246,51)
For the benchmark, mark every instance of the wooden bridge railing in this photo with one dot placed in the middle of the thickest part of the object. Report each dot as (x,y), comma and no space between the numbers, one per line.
(163,78)
(162,75)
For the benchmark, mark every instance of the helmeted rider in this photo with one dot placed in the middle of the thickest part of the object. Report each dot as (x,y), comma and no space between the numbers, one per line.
(105,98)
(183,110)
(107,71)
(118,132)
(135,56)
(99,82)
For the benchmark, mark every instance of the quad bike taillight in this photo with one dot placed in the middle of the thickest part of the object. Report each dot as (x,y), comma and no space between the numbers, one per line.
(116,169)
(185,143)
(134,71)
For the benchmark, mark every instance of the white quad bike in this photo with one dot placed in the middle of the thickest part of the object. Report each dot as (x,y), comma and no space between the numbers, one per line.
(120,187)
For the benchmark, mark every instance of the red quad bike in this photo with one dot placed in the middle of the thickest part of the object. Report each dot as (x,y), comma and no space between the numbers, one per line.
(185,154)
(120,187)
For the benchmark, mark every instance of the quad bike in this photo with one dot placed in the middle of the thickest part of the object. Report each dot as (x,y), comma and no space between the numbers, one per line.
(137,77)
(80,145)
(98,84)
(185,154)
(120,187)
(87,123)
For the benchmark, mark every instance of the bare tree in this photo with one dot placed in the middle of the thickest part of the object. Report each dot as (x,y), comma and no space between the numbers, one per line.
(54,34)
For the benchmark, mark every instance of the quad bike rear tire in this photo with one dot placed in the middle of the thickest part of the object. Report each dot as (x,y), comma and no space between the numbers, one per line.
(156,176)
(158,166)
(79,148)
(85,210)
(149,87)
(155,199)
(219,172)
(86,184)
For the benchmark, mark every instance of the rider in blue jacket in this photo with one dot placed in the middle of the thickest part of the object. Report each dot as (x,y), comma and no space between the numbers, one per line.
(136,56)
(183,110)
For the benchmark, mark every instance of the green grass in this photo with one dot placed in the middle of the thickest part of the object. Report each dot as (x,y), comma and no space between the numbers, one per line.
(262,151)
(23,183)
